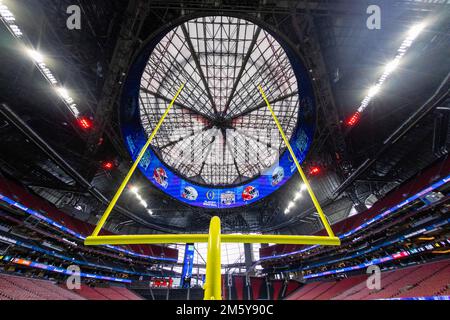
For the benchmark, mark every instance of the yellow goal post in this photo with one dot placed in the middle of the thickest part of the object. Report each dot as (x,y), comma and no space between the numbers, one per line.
(214,238)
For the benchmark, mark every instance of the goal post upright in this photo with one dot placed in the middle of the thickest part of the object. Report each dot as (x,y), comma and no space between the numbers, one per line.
(316,203)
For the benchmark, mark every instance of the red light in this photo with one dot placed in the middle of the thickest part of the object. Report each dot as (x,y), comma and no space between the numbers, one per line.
(354,118)
(108,165)
(84,123)
(314,170)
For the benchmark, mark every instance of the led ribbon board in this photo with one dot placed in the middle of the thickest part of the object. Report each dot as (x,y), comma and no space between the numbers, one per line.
(155,166)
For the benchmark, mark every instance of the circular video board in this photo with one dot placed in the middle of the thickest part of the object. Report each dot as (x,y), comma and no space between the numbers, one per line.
(219,146)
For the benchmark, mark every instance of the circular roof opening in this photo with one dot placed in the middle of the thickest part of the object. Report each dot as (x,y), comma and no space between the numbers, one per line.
(219,146)
(220,133)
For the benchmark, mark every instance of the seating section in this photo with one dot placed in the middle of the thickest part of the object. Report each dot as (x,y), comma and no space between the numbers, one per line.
(410,278)
(15,191)
(20,288)
(340,286)
(90,293)
(106,293)
(353,290)
(292,286)
(62,292)
(437,284)
(318,290)
(432,279)
(129,295)
(409,188)
(111,294)
(297,295)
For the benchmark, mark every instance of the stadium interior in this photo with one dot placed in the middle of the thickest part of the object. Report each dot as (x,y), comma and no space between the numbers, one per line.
(365,105)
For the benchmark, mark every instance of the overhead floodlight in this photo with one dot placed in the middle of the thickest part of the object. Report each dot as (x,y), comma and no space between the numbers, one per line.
(373,90)
(315,170)
(354,118)
(391,66)
(108,165)
(5,13)
(35,55)
(62,92)
(9,20)
(134,189)
(416,30)
(143,203)
(84,122)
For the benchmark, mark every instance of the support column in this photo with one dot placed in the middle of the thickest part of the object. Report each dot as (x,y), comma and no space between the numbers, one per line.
(248,254)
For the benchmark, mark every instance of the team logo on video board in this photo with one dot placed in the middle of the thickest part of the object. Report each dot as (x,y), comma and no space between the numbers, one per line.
(302,141)
(160,176)
(250,193)
(277,176)
(189,193)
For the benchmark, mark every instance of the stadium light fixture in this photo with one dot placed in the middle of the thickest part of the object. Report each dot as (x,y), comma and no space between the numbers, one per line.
(390,67)
(84,122)
(134,189)
(9,20)
(416,30)
(354,119)
(314,170)
(373,91)
(143,203)
(38,60)
(108,165)
(298,195)
(6,14)
(36,55)
(64,93)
